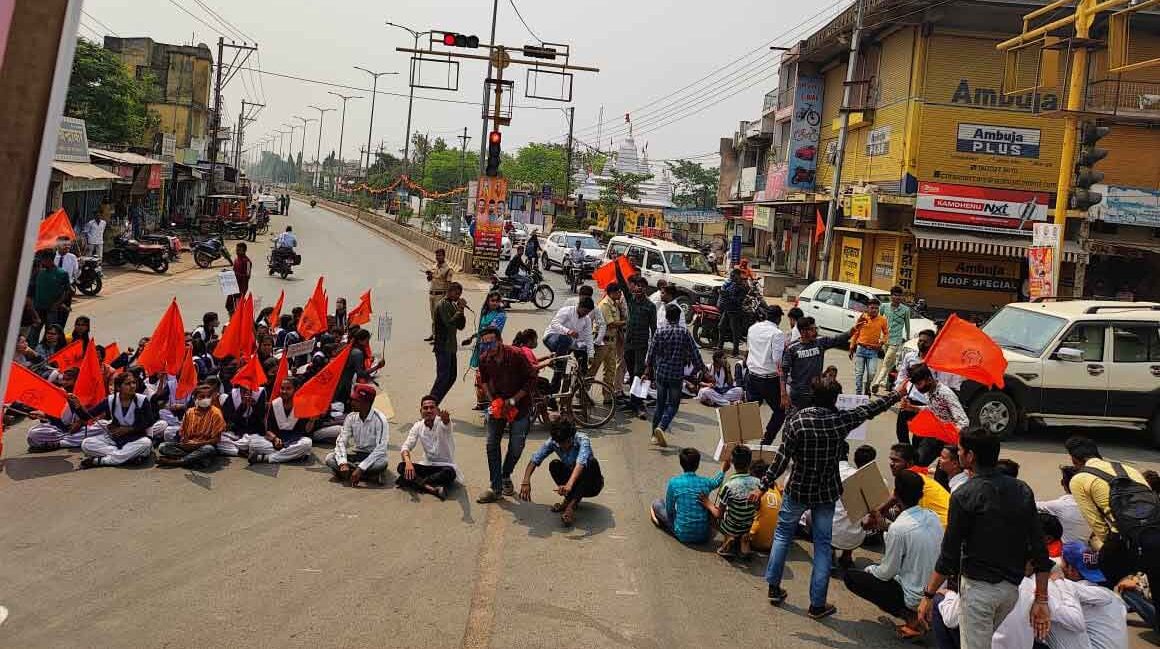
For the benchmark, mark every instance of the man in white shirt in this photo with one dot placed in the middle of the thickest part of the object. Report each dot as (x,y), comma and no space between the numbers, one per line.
(1104,613)
(913,543)
(766,342)
(95,235)
(1015,632)
(668,295)
(66,260)
(433,433)
(599,326)
(949,463)
(1075,526)
(570,332)
(360,450)
(287,239)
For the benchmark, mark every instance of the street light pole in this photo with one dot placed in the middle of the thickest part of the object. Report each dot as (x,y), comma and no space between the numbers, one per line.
(487,95)
(371,125)
(290,148)
(342,126)
(281,154)
(318,152)
(411,95)
(302,146)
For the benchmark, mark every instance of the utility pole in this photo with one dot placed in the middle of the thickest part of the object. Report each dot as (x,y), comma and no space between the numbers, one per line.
(281,153)
(290,150)
(411,96)
(836,193)
(318,151)
(568,170)
(219,84)
(486,96)
(243,119)
(342,128)
(302,146)
(455,231)
(371,123)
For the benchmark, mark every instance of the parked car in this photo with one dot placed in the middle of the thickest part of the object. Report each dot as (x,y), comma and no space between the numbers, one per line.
(269,201)
(683,267)
(1073,363)
(835,306)
(558,244)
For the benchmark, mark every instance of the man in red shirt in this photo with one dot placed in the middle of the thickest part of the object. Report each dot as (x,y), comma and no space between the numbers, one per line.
(242,271)
(507,376)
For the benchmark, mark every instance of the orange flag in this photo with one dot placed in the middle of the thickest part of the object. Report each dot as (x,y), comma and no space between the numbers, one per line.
(274,316)
(70,356)
(187,378)
(238,338)
(927,424)
(361,314)
(962,348)
(251,376)
(316,395)
(166,346)
(90,386)
(54,228)
(112,351)
(26,387)
(819,226)
(313,320)
(606,274)
(281,374)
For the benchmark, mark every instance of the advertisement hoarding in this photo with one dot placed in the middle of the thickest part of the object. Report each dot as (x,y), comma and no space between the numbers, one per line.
(804,131)
(979,208)
(490,212)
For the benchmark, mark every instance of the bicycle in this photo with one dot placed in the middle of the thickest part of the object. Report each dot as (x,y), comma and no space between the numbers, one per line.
(587,402)
(808,113)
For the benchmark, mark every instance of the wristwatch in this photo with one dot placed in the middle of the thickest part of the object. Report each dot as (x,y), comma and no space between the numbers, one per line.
(926,594)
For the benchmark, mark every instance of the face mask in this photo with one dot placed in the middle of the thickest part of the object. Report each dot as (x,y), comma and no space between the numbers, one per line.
(486,347)
(203,403)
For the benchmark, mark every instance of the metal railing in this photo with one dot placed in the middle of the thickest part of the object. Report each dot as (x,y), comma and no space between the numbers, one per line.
(1137,99)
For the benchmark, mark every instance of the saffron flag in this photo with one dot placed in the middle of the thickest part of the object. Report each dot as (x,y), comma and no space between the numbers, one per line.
(281,374)
(70,356)
(27,388)
(276,314)
(90,385)
(361,314)
(166,346)
(187,378)
(819,226)
(251,376)
(112,351)
(962,348)
(54,228)
(238,338)
(316,395)
(927,424)
(313,320)
(606,274)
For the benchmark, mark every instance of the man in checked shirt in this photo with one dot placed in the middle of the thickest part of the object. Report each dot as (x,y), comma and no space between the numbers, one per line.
(812,440)
(671,351)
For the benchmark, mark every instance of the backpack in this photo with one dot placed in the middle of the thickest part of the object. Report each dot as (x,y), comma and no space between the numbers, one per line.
(1133,507)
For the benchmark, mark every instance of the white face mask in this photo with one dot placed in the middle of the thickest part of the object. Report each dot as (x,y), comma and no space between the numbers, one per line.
(203,403)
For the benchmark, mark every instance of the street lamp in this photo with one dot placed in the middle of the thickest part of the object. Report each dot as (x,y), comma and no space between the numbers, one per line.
(371,125)
(281,153)
(302,146)
(290,148)
(342,126)
(411,96)
(318,152)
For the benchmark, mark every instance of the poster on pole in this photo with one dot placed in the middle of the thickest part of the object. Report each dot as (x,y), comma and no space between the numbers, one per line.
(490,212)
(1040,265)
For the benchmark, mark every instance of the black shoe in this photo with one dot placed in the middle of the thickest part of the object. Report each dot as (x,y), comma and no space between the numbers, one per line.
(823,611)
(429,339)
(89,463)
(777,595)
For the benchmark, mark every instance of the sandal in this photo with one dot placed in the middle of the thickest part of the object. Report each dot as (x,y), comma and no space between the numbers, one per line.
(568,517)
(558,507)
(907,632)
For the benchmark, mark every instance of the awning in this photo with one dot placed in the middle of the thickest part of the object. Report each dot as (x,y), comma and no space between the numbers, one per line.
(1117,246)
(124,157)
(83,170)
(994,244)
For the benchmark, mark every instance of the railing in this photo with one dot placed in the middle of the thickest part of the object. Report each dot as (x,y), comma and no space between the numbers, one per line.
(1133,99)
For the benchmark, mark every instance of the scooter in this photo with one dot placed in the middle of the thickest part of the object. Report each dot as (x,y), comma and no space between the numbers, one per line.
(208,251)
(542,294)
(130,251)
(90,279)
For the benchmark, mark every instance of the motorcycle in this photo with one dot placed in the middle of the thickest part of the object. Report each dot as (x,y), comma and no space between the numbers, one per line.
(313,203)
(90,279)
(281,261)
(127,250)
(542,294)
(171,244)
(707,318)
(235,229)
(577,276)
(208,251)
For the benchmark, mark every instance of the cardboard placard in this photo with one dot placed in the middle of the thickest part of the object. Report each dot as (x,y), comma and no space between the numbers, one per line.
(849,402)
(228,282)
(738,422)
(864,491)
(298,350)
(764,453)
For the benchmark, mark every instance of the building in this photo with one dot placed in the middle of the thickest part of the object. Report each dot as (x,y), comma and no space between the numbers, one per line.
(947,166)
(656,194)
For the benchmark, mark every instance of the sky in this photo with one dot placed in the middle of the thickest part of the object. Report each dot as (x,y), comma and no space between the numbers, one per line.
(687,73)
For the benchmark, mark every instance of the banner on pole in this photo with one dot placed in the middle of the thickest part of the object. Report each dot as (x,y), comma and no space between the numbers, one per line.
(490,212)
(1040,264)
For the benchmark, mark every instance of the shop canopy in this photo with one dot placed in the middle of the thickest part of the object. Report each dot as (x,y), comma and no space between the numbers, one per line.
(83,170)
(997,245)
(124,157)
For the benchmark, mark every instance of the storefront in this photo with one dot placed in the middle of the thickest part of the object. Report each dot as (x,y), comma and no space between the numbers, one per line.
(1125,245)
(138,180)
(693,226)
(76,185)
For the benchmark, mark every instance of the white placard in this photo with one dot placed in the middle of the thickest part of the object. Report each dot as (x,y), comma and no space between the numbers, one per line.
(1045,235)
(849,402)
(384,328)
(297,350)
(639,388)
(228,282)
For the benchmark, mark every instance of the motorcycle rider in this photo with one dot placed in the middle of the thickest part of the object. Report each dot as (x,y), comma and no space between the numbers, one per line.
(284,244)
(520,274)
(730,301)
(532,248)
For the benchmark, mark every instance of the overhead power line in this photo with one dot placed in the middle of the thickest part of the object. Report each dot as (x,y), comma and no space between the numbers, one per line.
(199,19)
(517,10)
(94,19)
(227,24)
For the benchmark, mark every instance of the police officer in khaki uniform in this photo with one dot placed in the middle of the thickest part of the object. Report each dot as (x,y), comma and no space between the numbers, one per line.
(439,279)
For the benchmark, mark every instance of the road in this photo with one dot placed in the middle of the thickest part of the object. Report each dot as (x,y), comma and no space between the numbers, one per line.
(279,556)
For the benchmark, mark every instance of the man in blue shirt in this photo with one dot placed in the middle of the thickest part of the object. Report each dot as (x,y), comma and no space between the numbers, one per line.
(576,472)
(681,512)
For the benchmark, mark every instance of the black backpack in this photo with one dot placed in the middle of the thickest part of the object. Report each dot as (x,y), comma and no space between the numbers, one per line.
(1132,507)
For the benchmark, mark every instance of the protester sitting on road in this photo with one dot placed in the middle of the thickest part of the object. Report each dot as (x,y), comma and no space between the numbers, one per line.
(67,431)
(360,449)
(681,513)
(718,388)
(26,356)
(53,341)
(201,431)
(125,438)
(895,583)
(438,470)
(950,471)
(576,471)
(1105,615)
(286,334)
(1007,466)
(735,510)
(671,351)
(285,437)
(846,535)
(245,414)
(509,382)
(207,330)
(360,365)
(935,497)
(1065,508)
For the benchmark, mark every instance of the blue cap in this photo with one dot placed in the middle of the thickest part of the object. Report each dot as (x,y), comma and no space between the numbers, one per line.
(1085,560)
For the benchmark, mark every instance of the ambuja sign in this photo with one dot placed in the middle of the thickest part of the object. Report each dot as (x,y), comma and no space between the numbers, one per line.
(988,139)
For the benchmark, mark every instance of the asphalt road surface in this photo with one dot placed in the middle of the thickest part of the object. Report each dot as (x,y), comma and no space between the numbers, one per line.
(280,556)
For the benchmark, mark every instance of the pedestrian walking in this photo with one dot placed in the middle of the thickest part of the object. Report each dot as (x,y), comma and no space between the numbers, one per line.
(866,346)
(95,235)
(766,342)
(438,281)
(508,380)
(243,269)
(897,317)
(449,319)
(671,351)
(642,324)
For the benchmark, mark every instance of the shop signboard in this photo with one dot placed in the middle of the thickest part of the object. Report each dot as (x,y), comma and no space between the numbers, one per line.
(775,181)
(70,185)
(984,209)
(747,212)
(154,177)
(850,260)
(762,217)
(863,207)
(72,140)
(1045,234)
(979,276)
(1127,206)
(885,257)
(1005,141)
(804,131)
(490,211)
(878,142)
(681,215)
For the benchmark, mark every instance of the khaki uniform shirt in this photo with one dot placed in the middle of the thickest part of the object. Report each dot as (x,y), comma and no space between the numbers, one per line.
(440,278)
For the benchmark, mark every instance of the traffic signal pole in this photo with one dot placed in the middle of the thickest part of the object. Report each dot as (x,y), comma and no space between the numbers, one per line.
(486,98)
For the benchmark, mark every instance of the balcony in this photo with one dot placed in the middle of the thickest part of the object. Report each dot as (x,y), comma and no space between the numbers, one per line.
(770,103)
(1129,101)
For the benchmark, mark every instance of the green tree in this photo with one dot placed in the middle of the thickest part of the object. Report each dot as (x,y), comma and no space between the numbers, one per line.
(444,171)
(112,102)
(536,165)
(694,184)
(614,189)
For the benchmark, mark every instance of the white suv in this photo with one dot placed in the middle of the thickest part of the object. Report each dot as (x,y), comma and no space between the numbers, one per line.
(684,268)
(1073,363)
(558,244)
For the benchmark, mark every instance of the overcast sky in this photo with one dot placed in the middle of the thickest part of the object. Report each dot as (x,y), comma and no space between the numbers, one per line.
(646,52)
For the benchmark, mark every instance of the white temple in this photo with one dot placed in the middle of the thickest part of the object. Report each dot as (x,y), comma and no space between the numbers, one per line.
(657,192)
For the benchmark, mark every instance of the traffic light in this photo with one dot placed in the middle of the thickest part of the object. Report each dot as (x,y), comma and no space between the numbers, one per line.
(493,153)
(1082,197)
(452,39)
(539,52)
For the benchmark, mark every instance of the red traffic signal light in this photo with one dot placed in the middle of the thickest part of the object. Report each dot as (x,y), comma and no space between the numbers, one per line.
(495,137)
(452,39)
(449,39)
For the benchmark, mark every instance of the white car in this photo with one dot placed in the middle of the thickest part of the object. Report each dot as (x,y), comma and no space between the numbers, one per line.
(269,201)
(835,306)
(683,267)
(558,245)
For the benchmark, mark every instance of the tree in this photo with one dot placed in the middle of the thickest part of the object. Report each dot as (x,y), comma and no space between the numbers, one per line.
(438,145)
(695,185)
(112,102)
(614,189)
(444,172)
(420,149)
(536,165)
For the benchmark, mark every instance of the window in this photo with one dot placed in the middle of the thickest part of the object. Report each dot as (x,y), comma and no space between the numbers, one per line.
(654,262)
(618,248)
(859,301)
(1135,344)
(586,242)
(1088,338)
(687,262)
(831,296)
(1023,330)
(636,254)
